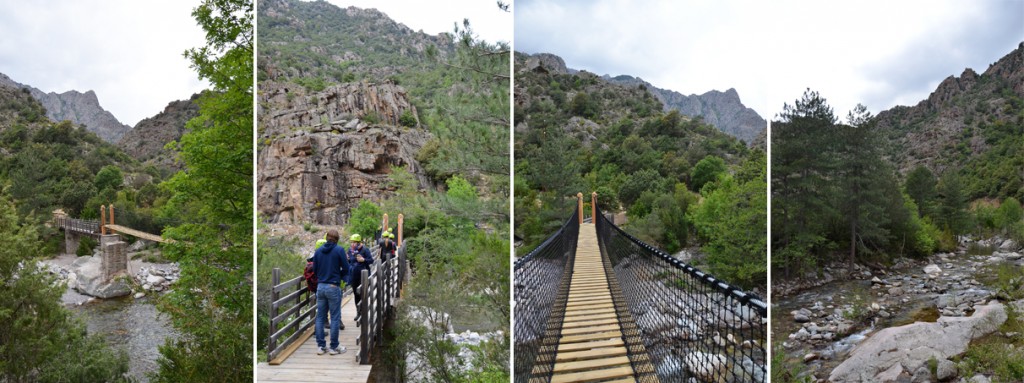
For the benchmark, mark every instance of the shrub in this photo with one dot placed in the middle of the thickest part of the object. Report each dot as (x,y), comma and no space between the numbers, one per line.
(86,246)
(407,119)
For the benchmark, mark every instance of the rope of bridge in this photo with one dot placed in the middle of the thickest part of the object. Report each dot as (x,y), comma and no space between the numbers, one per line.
(674,318)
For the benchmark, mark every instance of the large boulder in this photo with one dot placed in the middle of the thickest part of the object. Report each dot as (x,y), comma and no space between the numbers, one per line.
(895,350)
(90,281)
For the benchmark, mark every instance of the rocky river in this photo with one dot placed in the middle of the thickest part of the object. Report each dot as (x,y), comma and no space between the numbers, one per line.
(884,325)
(132,322)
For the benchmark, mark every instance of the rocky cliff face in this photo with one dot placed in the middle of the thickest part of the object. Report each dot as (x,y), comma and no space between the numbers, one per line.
(146,141)
(77,107)
(722,110)
(958,121)
(322,153)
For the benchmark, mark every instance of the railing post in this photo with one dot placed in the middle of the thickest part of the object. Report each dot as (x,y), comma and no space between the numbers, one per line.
(364,337)
(274,281)
(103,219)
(579,206)
(593,207)
(112,214)
(401,221)
(384,224)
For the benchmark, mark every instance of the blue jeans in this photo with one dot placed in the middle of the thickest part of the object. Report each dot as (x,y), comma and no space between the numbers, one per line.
(328,300)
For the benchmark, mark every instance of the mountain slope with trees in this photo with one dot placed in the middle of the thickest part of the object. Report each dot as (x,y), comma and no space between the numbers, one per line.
(678,180)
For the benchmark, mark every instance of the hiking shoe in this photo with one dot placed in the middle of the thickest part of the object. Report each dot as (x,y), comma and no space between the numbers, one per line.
(342,327)
(336,351)
(320,350)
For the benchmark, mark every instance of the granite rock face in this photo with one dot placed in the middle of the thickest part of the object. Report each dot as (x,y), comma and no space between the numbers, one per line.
(77,107)
(146,141)
(322,153)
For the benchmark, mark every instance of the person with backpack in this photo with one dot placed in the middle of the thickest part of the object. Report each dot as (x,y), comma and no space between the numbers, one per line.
(360,258)
(387,246)
(310,276)
(330,266)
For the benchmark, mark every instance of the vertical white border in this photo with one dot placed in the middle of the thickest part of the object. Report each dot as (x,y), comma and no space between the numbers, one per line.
(255,216)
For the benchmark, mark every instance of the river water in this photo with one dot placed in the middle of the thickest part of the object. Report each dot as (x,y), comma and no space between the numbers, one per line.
(961,273)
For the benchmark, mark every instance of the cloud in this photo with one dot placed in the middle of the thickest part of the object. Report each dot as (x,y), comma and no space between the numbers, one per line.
(876,52)
(128,52)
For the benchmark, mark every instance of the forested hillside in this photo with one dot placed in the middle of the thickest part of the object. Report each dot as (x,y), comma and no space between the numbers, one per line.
(679,181)
(907,182)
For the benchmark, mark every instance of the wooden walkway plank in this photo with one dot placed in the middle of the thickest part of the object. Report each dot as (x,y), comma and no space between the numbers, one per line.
(304,365)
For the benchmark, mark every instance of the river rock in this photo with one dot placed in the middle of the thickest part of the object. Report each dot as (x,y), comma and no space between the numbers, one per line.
(946,370)
(139,295)
(932,270)
(802,315)
(1008,244)
(90,281)
(921,375)
(980,379)
(912,345)
(705,366)
(155,280)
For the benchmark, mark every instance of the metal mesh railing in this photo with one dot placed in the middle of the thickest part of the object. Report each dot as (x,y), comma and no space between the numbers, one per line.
(541,288)
(693,326)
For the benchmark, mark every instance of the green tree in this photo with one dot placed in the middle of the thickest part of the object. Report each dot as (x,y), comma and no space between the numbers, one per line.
(110,177)
(1008,214)
(920,186)
(212,305)
(802,148)
(861,172)
(39,339)
(953,204)
(708,169)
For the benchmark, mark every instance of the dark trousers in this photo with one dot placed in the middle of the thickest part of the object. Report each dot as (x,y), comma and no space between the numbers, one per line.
(357,292)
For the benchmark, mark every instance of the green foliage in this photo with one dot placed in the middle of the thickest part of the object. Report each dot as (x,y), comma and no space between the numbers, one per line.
(920,185)
(952,210)
(407,119)
(30,311)
(583,106)
(708,169)
(86,246)
(109,177)
(212,303)
(365,220)
(1009,214)
(731,221)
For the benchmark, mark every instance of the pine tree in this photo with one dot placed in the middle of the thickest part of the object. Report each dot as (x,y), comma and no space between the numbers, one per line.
(801,146)
(860,172)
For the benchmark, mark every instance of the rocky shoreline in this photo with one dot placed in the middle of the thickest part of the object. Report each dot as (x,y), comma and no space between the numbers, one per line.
(833,323)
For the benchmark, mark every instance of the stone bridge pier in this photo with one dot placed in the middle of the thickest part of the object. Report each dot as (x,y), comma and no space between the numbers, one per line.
(71,241)
(114,256)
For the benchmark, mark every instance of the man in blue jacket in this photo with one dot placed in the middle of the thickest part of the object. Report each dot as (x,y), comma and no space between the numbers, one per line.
(331,267)
(360,259)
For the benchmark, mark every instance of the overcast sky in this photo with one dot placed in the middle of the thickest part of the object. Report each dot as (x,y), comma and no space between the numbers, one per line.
(129,52)
(489,22)
(879,53)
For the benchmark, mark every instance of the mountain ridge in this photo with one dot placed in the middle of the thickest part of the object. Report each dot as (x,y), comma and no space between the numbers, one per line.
(77,107)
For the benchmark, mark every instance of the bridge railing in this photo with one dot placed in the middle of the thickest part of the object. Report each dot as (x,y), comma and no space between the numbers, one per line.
(692,324)
(78,225)
(541,289)
(380,289)
(293,308)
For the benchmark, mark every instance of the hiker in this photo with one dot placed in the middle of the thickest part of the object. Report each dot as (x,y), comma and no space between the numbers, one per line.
(360,259)
(310,275)
(387,246)
(330,267)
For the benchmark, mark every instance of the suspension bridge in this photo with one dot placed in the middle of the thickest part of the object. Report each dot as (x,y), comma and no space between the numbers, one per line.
(291,348)
(595,304)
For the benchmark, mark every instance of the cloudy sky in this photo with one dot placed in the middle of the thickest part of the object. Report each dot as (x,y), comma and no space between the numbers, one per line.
(128,52)
(879,53)
(489,22)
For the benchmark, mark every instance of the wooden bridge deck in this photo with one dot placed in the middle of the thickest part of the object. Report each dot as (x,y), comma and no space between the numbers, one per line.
(304,365)
(137,234)
(591,348)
